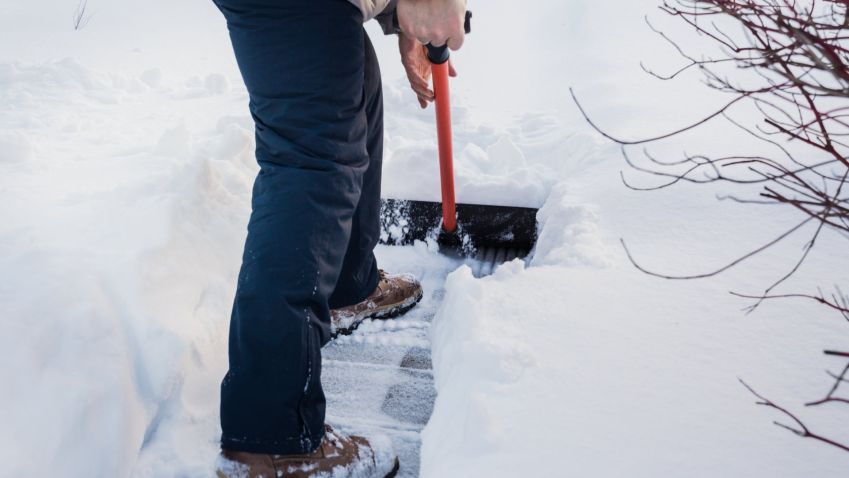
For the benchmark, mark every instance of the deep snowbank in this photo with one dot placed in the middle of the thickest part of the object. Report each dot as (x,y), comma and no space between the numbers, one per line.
(557,371)
(578,364)
(122,224)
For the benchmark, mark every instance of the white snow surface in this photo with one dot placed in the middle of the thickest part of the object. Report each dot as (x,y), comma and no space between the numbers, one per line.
(126,162)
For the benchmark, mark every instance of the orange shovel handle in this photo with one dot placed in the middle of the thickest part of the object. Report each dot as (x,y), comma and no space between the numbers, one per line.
(446,149)
(439,56)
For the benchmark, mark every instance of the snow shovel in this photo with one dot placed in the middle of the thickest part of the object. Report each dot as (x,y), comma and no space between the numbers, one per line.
(491,234)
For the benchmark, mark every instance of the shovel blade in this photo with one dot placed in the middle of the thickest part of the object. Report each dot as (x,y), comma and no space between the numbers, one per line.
(480,226)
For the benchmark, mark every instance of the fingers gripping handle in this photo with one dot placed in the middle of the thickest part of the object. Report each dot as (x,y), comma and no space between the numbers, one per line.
(440,54)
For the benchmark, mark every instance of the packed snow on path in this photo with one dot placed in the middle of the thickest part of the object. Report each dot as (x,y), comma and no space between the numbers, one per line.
(126,162)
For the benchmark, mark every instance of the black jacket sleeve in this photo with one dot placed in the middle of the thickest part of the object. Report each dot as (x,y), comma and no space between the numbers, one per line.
(388,20)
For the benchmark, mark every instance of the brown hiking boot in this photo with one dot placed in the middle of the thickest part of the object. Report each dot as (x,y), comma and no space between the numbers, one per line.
(395,295)
(338,456)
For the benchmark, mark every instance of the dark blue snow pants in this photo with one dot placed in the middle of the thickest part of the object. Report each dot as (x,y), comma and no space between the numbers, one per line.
(315,96)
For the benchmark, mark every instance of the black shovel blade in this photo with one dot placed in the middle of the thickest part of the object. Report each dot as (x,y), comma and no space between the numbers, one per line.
(479,227)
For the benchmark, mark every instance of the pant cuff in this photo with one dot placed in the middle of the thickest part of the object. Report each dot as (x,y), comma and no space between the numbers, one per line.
(285,446)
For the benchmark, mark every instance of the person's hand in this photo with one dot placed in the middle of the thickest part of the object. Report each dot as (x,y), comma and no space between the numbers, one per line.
(414,59)
(437,22)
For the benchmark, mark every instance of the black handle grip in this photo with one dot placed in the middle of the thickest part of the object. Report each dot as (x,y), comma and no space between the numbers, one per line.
(440,54)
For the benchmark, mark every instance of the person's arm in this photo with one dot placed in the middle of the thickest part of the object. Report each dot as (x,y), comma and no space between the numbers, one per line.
(418,68)
(427,21)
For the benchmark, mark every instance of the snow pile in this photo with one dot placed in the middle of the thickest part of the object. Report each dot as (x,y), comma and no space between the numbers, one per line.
(579,364)
(569,233)
(123,226)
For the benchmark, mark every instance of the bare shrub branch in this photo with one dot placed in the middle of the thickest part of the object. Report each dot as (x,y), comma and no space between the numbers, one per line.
(800,429)
(81,15)
(794,58)
(800,53)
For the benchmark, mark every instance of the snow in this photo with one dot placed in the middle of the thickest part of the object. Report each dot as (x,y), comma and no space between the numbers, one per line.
(126,162)
(610,375)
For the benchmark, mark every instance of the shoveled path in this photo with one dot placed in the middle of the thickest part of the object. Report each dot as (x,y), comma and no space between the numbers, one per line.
(380,380)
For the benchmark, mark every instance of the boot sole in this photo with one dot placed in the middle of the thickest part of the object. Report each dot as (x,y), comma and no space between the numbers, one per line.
(388,312)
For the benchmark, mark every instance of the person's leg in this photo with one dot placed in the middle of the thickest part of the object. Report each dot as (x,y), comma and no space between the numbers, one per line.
(359,275)
(303,65)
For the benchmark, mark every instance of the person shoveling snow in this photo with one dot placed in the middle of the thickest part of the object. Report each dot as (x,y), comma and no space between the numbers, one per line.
(308,271)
